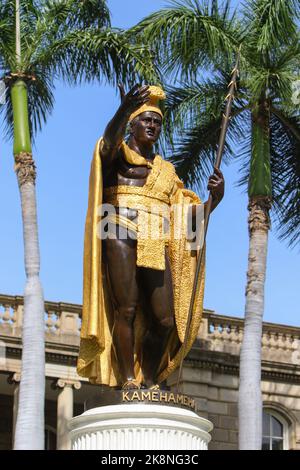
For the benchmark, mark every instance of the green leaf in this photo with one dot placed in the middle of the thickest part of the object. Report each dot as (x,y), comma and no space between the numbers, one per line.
(70,40)
(190,34)
(285,164)
(271,23)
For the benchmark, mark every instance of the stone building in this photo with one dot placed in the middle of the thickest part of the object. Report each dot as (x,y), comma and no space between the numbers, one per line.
(210,375)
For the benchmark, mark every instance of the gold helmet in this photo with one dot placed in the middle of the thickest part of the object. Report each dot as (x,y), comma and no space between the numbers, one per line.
(156,95)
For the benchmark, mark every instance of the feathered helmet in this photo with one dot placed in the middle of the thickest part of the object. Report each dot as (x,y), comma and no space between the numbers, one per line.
(156,95)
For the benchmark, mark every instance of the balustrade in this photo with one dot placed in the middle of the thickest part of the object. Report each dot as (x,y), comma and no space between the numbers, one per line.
(279,343)
(220,333)
(7,315)
(61,319)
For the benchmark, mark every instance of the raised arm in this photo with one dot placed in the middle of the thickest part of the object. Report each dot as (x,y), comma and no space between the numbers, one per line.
(115,130)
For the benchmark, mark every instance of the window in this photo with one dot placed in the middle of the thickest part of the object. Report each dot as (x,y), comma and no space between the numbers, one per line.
(274,431)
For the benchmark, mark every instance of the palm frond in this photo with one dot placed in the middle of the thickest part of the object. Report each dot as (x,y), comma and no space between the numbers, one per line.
(106,55)
(285,165)
(40,100)
(196,148)
(190,34)
(56,19)
(72,40)
(4,25)
(6,112)
(7,35)
(186,103)
(284,71)
(90,13)
(270,23)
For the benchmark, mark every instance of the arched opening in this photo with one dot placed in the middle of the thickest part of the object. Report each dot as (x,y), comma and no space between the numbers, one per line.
(275,431)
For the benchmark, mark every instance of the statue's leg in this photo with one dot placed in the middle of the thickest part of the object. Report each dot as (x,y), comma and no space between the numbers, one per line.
(120,257)
(158,289)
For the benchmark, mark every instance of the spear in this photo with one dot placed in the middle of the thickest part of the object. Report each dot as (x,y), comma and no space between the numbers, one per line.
(224,126)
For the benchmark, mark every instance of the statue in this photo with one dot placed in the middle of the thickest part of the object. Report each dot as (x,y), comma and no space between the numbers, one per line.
(137,287)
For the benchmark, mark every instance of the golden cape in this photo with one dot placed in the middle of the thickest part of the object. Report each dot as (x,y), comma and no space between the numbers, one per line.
(96,357)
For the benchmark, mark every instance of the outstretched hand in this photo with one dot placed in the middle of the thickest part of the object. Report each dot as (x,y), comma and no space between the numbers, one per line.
(135,98)
(216,185)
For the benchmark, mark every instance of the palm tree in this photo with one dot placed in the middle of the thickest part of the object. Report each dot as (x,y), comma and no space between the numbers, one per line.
(44,40)
(195,43)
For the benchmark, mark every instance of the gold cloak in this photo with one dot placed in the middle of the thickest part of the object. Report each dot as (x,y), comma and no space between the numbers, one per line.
(96,357)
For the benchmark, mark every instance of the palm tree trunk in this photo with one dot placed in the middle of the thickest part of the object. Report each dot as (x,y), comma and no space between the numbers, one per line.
(250,400)
(260,192)
(30,420)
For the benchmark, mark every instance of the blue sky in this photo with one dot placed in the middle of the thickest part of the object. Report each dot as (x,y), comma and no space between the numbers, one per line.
(63,153)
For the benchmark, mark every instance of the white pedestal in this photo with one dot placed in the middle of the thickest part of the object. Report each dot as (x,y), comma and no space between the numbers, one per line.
(139,427)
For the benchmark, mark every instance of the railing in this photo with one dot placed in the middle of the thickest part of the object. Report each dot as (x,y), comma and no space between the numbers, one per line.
(61,319)
(280,343)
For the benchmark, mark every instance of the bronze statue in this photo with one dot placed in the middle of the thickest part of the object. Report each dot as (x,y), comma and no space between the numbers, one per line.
(137,287)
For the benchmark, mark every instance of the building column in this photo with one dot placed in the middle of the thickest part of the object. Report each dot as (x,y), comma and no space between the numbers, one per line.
(14,379)
(65,411)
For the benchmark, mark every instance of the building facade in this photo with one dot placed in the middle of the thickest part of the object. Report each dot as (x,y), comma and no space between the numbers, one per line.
(210,375)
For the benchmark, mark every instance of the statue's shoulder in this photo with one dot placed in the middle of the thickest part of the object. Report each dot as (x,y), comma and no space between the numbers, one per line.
(171,169)
(167,164)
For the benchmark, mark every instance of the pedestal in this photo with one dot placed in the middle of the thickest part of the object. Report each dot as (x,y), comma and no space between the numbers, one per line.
(139,427)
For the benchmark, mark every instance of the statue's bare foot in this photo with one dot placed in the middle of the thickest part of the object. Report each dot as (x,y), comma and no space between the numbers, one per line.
(131,384)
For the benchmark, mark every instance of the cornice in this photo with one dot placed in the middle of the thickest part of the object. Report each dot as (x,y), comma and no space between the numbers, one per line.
(228,364)
(52,357)
(216,361)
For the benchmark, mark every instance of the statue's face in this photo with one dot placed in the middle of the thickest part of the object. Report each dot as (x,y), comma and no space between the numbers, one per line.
(146,127)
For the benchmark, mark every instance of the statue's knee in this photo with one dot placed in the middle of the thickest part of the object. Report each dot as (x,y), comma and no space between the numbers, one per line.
(167,323)
(126,314)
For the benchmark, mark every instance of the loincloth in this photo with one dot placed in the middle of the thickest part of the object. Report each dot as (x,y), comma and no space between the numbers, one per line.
(150,227)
